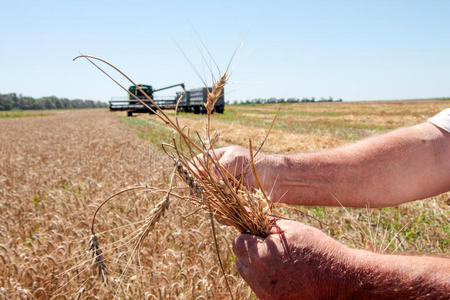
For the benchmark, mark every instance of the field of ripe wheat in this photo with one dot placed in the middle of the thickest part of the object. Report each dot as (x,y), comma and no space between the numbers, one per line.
(56,169)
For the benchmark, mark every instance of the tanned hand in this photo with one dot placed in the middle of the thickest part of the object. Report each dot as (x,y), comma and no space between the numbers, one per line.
(297,261)
(236,160)
(294,262)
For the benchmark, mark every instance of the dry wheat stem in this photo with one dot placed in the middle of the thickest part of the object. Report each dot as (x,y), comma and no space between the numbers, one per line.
(158,112)
(151,220)
(218,192)
(98,258)
(158,211)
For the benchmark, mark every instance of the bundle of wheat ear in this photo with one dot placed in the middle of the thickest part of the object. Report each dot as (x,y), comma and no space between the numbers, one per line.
(213,188)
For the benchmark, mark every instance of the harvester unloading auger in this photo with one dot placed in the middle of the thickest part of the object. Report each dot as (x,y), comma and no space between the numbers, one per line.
(192,101)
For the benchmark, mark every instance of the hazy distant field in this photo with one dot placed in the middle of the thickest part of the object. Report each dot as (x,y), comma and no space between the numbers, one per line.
(314,126)
(25,113)
(56,169)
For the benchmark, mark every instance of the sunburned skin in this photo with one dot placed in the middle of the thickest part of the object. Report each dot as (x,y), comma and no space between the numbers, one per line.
(300,262)
(401,166)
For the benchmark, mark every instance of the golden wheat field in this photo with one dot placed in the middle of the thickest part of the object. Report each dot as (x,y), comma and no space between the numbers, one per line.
(56,169)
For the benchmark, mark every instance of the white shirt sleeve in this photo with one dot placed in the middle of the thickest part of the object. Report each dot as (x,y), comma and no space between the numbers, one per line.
(442,119)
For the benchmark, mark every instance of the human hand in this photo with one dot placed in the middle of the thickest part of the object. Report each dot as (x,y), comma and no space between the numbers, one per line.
(296,261)
(236,160)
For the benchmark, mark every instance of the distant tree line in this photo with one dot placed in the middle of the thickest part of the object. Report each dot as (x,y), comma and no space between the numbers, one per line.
(14,101)
(283,100)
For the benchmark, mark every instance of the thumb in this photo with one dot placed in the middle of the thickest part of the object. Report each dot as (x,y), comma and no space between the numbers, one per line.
(245,246)
(199,162)
(217,154)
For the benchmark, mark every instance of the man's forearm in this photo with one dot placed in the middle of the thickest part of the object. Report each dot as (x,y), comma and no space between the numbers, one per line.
(403,165)
(377,276)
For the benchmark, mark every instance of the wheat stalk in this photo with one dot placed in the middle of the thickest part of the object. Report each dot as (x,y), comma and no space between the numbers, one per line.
(215,189)
(97,254)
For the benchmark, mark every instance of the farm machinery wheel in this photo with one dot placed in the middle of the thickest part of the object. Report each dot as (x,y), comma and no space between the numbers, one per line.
(196,110)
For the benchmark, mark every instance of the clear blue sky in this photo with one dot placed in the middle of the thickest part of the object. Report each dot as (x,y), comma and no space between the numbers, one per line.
(353,50)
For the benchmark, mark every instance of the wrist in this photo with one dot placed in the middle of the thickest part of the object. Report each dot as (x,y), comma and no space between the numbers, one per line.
(350,274)
(303,179)
(376,276)
(270,168)
(345,273)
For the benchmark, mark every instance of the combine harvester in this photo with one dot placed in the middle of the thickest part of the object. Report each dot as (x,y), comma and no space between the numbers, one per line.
(192,100)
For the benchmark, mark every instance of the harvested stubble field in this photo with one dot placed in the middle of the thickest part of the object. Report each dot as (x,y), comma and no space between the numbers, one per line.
(55,170)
